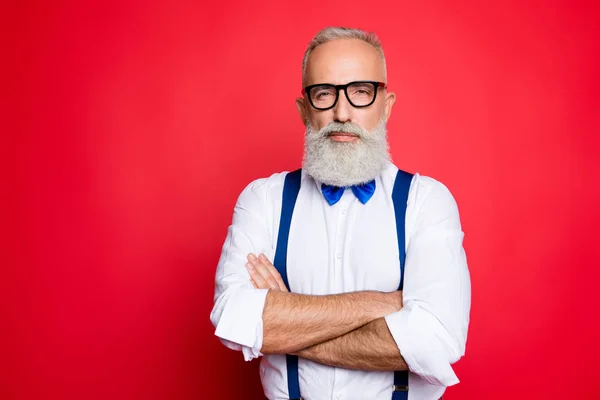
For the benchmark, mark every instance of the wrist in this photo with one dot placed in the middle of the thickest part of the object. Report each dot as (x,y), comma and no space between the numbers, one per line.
(383,304)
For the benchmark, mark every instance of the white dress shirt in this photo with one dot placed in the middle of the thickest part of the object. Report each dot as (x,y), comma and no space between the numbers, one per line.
(350,247)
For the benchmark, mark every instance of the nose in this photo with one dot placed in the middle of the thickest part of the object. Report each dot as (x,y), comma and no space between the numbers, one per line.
(342,112)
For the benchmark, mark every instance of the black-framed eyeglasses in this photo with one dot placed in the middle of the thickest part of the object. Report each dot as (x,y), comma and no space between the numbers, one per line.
(324,96)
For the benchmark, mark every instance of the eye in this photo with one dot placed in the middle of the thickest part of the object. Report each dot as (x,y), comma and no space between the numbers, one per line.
(361,91)
(322,95)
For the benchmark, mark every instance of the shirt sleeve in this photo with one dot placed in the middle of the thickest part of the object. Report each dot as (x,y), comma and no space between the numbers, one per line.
(238,306)
(431,328)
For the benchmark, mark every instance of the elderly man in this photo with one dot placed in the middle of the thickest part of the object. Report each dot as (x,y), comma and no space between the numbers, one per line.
(348,276)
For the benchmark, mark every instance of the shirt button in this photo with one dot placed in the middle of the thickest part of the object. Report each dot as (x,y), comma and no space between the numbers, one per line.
(343,212)
(338,256)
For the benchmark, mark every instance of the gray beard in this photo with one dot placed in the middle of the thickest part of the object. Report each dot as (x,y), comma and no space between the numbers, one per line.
(345,164)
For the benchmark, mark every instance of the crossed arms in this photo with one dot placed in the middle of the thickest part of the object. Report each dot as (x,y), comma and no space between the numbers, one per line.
(345,330)
(423,328)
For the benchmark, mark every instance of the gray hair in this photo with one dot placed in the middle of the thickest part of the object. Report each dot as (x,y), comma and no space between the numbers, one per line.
(336,32)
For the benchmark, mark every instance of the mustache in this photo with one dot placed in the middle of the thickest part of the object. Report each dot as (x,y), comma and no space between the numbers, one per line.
(345,127)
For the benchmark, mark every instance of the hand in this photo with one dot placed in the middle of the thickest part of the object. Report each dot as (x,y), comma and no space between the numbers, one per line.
(263,275)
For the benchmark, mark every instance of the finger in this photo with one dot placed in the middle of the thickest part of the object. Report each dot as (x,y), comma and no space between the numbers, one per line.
(273,271)
(264,272)
(253,283)
(259,282)
(270,274)
(267,276)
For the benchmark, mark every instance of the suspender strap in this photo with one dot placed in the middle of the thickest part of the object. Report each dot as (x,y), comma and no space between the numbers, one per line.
(400,199)
(291,187)
(400,385)
(292,375)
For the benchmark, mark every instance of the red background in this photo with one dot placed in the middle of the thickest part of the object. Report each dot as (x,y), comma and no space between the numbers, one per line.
(131,127)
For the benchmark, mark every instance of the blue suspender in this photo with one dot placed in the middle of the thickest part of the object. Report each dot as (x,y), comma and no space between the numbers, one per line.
(400,198)
(291,187)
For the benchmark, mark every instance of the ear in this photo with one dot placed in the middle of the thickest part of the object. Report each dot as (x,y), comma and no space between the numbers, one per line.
(301,109)
(390,99)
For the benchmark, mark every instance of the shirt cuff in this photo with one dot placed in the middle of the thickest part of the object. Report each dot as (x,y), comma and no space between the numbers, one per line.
(423,343)
(241,321)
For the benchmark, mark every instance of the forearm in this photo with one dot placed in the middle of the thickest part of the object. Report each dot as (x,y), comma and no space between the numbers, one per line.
(369,348)
(293,321)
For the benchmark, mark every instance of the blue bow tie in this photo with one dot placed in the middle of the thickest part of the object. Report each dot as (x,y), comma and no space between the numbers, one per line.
(363,192)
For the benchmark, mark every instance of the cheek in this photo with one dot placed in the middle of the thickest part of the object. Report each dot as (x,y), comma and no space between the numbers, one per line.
(369,119)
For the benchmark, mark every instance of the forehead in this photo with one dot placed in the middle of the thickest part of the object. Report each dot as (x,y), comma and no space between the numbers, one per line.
(342,61)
